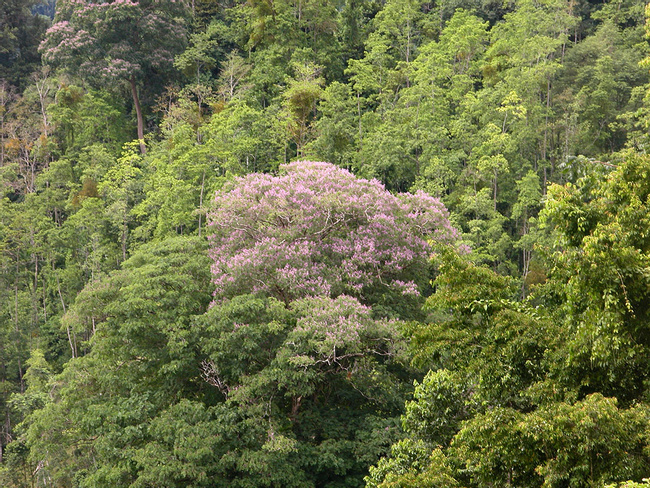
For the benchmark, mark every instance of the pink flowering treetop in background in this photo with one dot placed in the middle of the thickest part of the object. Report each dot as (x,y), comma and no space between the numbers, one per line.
(317,230)
(108,41)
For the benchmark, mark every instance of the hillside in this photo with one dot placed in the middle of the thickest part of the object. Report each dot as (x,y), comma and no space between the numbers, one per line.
(324,243)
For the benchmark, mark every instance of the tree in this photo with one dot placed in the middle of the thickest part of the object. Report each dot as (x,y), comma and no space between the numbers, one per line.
(320,368)
(598,273)
(588,443)
(120,187)
(600,75)
(106,42)
(312,389)
(300,98)
(142,361)
(337,127)
(389,51)
(317,230)
(20,30)
(308,266)
(530,196)
(501,412)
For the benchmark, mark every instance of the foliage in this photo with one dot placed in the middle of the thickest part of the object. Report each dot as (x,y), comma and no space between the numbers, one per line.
(115,40)
(412,464)
(318,230)
(314,387)
(20,31)
(524,400)
(600,268)
(104,400)
(331,253)
(522,360)
(583,444)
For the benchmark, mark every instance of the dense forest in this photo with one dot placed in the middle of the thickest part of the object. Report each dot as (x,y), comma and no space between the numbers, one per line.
(324,243)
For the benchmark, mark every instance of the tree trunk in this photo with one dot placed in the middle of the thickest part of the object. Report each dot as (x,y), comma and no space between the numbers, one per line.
(495,190)
(17,327)
(201,197)
(138,114)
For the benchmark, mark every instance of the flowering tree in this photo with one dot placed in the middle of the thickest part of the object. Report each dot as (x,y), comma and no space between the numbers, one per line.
(307,266)
(107,41)
(317,230)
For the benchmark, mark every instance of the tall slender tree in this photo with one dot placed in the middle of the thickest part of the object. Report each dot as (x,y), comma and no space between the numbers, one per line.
(121,40)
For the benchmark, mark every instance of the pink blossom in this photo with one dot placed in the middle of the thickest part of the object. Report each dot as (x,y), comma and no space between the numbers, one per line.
(317,230)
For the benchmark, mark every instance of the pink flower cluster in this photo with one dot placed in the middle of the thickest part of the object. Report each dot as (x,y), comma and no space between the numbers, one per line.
(115,39)
(334,331)
(317,230)
(334,323)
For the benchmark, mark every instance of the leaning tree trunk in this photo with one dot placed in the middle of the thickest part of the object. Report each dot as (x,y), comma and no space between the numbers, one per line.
(138,114)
